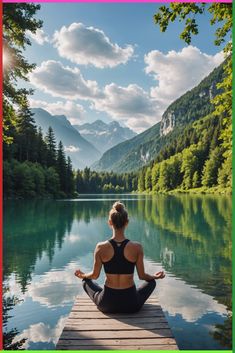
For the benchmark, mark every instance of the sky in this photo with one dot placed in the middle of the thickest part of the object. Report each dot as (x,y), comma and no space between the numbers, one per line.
(109,61)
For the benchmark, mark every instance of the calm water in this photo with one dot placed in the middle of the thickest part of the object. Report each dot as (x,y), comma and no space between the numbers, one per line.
(188,236)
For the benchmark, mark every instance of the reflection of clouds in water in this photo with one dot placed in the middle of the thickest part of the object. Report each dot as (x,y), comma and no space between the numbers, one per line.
(177,297)
(57,288)
(54,288)
(42,333)
(14,288)
(72,238)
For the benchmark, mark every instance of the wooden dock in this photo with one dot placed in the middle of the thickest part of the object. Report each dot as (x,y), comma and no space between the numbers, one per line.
(88,329)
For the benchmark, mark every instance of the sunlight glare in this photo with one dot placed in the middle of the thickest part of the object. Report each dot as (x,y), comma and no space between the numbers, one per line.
(6,60)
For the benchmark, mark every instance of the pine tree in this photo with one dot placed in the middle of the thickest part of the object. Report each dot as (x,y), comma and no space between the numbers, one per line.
(79,181)
(61,167)
(211,168)
(69,178)
(51,148)
(26,134)
(86,179)
(41,148)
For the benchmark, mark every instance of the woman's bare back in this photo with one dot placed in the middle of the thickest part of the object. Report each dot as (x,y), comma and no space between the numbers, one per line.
(131,253)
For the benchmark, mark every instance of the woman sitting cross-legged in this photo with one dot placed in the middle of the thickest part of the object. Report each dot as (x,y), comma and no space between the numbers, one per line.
(119,256)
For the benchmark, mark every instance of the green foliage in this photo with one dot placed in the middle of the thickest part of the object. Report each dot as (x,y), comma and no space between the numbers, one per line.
(30,172)
(225,173)
(211,168)
(148,179)
(17,20)
(88,181)
(51,147)
(197,165)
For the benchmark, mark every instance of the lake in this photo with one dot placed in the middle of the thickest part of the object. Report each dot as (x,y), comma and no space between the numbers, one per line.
(189,236)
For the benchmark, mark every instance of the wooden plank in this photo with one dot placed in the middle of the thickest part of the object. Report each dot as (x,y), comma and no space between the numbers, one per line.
(119,342)
(116,334)
(115,326)
(109,320)
(110,347)
(94,308)
(99,315)
(89,329)
(80,300)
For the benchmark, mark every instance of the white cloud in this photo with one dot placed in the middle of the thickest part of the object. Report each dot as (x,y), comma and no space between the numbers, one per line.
(71,149)
(39,36)
(73,111)
(131,105)
(60,81)
(88,45)
(178,72)
(42,333)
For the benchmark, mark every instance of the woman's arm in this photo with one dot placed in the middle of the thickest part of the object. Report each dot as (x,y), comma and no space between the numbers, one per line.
(141,271)
(94,274)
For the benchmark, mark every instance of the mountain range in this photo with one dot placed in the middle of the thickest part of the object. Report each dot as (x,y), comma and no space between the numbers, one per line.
(104,136)
(81,152)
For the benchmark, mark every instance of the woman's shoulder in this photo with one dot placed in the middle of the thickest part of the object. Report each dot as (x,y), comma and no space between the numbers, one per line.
(102,244)
(135,244)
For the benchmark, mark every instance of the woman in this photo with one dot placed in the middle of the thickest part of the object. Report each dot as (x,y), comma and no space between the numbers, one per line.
(119,256)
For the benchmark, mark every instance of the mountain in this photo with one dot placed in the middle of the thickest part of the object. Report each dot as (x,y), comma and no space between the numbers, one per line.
(133,154)
(104,136)
(82,152)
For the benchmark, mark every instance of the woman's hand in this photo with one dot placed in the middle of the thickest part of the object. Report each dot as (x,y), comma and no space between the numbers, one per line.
(159,275)
(79,274)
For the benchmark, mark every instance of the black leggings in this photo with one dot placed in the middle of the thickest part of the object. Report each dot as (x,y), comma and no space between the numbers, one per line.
(111,300)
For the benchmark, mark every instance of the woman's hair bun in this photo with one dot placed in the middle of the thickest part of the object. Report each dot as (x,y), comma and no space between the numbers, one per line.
(118,206)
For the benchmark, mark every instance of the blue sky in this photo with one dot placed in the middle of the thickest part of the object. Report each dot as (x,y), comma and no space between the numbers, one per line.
(111,62)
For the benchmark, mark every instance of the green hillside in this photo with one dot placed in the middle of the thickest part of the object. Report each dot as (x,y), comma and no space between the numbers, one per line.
(133,154)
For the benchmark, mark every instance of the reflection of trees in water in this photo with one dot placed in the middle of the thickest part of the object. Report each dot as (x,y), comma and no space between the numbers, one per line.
(192,237)
(30,229)
(9,342)
(223,332)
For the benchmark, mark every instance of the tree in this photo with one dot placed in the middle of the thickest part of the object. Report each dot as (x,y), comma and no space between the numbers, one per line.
(86,179)
(17,20)
(196,180)
(52,182)
(148,179)
(189,166)
(51,148)
(141,181)
(225,173)
(26,133)
(41,148)
(211,168)
(79,181)
(69,178)
(61,167)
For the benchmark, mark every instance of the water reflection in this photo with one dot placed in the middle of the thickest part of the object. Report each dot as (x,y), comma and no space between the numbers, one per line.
(190,236)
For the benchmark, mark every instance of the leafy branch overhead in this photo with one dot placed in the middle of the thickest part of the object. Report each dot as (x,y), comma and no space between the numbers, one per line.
(17,20)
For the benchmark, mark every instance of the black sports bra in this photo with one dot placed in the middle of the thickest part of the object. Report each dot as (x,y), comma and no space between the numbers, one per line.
(119,264)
